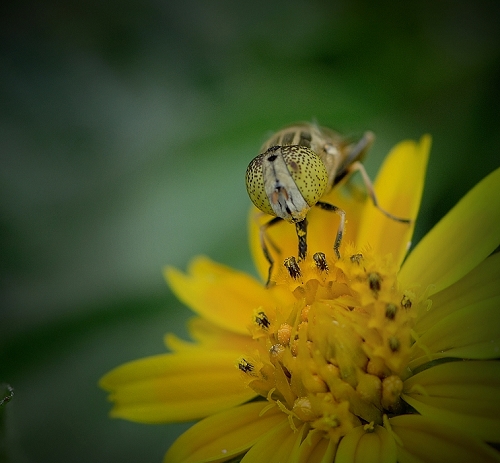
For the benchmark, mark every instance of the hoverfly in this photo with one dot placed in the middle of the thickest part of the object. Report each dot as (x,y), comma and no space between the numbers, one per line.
(298,165)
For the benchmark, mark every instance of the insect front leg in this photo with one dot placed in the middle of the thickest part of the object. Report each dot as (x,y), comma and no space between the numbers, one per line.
(263,244)
(301,228)
(340,229)
(357,166)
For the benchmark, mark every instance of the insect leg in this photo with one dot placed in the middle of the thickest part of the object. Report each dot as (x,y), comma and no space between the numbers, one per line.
(301,228)
(357,166)
(338,165)
(264,247)
(359,149)
(340,230)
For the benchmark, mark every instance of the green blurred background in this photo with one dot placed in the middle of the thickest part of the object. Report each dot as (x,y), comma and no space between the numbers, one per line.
(125,132)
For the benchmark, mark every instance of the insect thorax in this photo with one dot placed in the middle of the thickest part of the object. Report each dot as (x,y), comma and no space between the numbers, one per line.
(329,145)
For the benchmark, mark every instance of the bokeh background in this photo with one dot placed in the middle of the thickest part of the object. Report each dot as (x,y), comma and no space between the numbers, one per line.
(125,131)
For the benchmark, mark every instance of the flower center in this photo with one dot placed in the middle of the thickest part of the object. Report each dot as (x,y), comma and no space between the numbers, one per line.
(337,357)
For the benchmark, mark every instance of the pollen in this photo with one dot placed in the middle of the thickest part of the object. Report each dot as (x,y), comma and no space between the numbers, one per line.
(284,333)
(293,268)
(261,320)
(245,366)
(336,357)
(374,281)
(406,301)
(390,311)
(320,261)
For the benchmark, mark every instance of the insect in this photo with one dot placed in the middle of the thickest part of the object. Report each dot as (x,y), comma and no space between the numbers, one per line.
(298,165)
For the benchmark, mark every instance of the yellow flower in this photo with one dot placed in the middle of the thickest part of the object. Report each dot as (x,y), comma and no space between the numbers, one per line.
(363,359)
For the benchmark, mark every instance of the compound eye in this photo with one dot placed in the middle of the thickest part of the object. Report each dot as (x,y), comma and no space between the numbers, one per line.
(286,181)
(307,171)
(255,185)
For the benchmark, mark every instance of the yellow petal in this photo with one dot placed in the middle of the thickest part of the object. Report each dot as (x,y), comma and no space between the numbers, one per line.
(223,296)
(460,241)
(276,446)
(361,446)
(425,440)
(471,325)
(228,433)
(399,188)
(315,449)
(176,387)
(480,284)
(480,350)
(210,336)
(463,394)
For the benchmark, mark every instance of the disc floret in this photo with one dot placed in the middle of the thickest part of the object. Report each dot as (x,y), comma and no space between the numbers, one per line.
(337,357)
